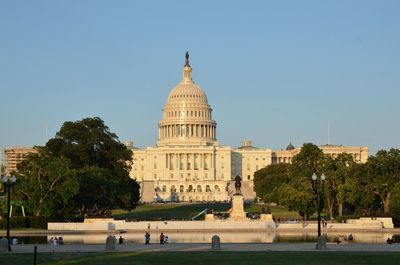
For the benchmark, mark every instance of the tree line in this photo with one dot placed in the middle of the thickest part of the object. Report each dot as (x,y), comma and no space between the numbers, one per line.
(82,171)
(364,189)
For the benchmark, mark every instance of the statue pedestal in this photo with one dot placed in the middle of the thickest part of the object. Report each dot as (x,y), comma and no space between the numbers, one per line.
(264,217)
(237,210)
(209,217)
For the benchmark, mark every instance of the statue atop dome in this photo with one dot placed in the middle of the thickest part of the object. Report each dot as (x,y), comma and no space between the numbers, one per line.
(187,59)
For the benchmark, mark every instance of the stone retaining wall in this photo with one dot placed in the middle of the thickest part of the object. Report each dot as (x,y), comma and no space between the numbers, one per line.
(109,223)
(102,225)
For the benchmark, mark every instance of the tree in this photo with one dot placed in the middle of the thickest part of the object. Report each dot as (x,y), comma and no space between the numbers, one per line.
(102,164)
(45,182)
(383,172)
(339,182)
(395,205)
(298,193)
(268,180)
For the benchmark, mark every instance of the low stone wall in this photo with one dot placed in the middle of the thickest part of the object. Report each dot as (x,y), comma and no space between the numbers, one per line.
(351,224)
(381,222)
(218,225)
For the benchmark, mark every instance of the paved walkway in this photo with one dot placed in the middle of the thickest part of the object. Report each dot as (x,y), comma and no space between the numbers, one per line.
(348,247)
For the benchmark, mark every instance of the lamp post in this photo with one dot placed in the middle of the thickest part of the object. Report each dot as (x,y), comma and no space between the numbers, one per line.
(317,184)
(8,182)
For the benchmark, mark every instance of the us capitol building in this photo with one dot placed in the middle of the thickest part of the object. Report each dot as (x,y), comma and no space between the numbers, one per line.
(188,163)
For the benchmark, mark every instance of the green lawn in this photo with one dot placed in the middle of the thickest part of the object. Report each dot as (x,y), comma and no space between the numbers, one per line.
(167,211)
(220,258)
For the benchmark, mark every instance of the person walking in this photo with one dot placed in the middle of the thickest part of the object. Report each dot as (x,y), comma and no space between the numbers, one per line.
(162,238)
(147,238)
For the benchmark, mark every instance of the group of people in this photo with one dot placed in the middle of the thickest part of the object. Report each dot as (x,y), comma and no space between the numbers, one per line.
(390,240)
(56,241)
(14,241)
(163,238)
(343,238)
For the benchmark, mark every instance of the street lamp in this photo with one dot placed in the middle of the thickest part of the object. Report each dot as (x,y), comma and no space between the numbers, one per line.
(8,182)
(317,184)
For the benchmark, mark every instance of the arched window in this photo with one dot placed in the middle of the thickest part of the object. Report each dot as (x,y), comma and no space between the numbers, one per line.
(181,188)
(216,188)
(173,189)
(164,188)
(190,188)
(208,188)
(198,188)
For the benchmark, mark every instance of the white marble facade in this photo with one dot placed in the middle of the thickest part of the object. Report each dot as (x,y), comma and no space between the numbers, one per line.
(188,163)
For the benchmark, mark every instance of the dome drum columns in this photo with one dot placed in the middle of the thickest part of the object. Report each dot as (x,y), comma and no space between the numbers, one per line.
(187,131)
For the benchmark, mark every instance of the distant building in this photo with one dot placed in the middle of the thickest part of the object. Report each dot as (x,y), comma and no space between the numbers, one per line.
(13,156)
(360,154)
(188,163)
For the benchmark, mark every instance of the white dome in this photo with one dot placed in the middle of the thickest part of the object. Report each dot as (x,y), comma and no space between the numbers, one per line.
(186,114)
(187,92)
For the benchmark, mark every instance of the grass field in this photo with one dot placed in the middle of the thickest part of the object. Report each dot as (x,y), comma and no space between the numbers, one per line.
(220,258)
(186,211)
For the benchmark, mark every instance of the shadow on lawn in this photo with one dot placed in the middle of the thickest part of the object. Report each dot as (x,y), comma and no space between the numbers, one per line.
(155,212)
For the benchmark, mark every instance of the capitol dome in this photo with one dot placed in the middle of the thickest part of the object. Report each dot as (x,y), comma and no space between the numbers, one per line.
(186,114)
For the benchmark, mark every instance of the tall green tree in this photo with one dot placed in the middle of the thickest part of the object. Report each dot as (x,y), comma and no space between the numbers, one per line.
(45,183)
(339,183)
(268,180)
(383,171)
(395,205)
(298,194)
(102,164)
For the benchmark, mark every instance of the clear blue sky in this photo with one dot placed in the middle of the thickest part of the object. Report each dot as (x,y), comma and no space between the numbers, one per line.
(273,71)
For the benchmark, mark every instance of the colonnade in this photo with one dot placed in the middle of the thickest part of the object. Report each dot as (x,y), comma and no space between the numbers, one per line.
(189,161)
(187,130)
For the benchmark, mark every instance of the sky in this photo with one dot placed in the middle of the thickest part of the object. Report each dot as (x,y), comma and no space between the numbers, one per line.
(274,71)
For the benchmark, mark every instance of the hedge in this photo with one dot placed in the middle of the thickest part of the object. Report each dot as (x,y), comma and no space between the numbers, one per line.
(24,222)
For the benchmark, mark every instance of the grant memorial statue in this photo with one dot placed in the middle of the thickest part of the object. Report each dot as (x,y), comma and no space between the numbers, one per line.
(238,185)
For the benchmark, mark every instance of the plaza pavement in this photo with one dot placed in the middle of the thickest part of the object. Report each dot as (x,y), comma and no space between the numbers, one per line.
(188,247)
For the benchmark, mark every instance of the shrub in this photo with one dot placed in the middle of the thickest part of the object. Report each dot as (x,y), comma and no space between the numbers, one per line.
(21,222)
(342,219)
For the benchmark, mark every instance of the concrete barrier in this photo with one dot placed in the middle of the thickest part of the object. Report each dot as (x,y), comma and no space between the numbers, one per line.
(217,225)
(102,225)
